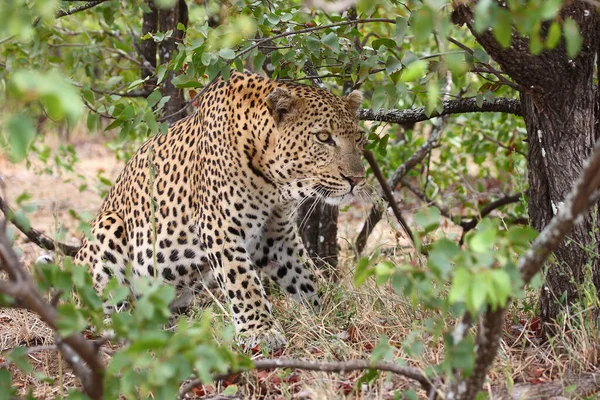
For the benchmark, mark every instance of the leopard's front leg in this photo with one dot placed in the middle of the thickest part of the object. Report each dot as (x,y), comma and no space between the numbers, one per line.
(250,308)
(282,257)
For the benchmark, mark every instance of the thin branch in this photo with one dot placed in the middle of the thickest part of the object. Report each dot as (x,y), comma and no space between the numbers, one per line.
(499,143)
(472,223)
(387,192)
(323,366)
(36,236)
(90,4)
(488,67)
(375,214)
(92,109)
(460,106)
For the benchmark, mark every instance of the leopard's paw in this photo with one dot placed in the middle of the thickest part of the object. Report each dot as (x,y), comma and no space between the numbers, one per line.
(271,339)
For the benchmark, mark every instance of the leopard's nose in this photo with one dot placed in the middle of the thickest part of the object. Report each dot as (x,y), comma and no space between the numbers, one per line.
(354,180)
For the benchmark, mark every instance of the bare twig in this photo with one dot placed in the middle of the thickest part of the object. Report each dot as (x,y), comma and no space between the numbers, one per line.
(92,109)
(388,194)
(36,236)
(339,366)
(472,222)
(488,67)
(499,143)
(375,214)
(89,4)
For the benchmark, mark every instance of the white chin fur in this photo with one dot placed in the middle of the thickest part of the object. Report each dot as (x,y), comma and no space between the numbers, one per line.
(339,200)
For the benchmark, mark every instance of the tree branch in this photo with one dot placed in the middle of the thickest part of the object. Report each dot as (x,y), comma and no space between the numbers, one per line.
(472,223)
(376,214)
(89,4)
(460,106)
(341,367)
(23,289)
(36,236)
(584,194)
(387,192)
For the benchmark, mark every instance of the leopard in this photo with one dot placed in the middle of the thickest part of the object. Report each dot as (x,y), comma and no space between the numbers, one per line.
(212,202)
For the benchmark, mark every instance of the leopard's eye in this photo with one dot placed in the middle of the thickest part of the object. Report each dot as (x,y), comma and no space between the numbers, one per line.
(325,137)
(359,136)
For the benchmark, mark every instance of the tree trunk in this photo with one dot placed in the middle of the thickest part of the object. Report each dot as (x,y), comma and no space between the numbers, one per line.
(559,108)
(154,54)
(168,19)
(149,46)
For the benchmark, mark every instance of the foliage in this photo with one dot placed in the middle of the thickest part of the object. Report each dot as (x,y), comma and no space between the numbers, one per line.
(86,68)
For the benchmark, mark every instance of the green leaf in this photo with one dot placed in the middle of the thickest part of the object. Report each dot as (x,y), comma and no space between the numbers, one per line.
(153,98)
(460,285)
(21,134)
(481,55)
(379,97)
(18,356)
(550,8)
(414,71)
(70,320)
(6,389)
(428,219)
(483,240)
(477,292)
(401,25)
(363,271)
(392,65)
(389,43)
(520,236)
(503,28)
(331,41)
(442,255)
(573,38)
(227,54)
(230,390)
(553,36)
(383,271)
(502,286)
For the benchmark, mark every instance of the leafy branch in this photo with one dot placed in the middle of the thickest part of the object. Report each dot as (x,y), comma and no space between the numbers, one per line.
(460,106)
(80,353)
(584,194)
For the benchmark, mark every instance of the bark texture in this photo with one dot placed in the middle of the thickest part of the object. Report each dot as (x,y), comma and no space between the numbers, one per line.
(153,54)
(558,104)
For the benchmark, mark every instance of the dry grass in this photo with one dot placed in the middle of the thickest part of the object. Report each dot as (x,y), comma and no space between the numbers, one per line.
(350,326)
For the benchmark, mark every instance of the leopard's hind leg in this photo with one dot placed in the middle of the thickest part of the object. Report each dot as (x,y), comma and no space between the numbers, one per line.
(106,252)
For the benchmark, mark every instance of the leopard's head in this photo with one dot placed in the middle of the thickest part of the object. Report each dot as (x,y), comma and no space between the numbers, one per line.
(318,144)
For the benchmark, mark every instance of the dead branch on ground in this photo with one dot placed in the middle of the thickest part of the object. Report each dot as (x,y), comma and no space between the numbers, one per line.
(335,366)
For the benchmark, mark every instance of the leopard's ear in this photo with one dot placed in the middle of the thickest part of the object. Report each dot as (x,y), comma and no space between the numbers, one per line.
(280,102)
(354,100)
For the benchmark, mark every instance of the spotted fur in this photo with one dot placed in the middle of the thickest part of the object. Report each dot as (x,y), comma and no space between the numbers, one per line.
(214,199)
